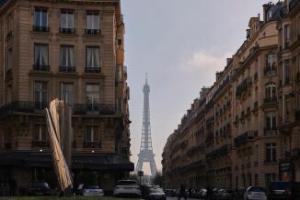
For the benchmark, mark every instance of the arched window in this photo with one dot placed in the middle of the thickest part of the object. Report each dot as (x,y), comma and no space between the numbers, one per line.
(271,91)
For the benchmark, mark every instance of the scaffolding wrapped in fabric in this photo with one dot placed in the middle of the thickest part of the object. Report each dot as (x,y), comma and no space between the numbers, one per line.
(60,136)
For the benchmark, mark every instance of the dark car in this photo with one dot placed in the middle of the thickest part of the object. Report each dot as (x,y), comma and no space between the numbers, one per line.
(155,193)
(283,190)
(39,188)
(170,192)
(224,194)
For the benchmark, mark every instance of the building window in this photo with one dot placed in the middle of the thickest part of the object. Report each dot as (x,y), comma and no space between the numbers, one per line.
(271,91)
(67,59)
(286,35)
(91,138)
(92,96)
(9,59)
(270,177)
(66,93)
(40,133)
(41,57)
(271,152)
(67,21)
(92,22)
(271,61)
(40,20)
(286,72)
(271,121)
(92,59)
(40,94)
(90,134)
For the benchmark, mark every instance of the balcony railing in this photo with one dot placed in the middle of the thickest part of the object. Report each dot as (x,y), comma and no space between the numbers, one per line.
(40,28)
(67,30)
(38,67)
(92,70)
(88,144)
(270,71)
(270,100)
(39,143)
(244,138)
(100,108)
(22,106)
(67,69)
(270,131)
(92,31)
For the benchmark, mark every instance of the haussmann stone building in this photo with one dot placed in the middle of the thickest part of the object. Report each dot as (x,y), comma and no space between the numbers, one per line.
(71,50)
(244,129)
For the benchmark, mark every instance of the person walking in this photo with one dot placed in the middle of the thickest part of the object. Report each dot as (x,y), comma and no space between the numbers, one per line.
(182,193)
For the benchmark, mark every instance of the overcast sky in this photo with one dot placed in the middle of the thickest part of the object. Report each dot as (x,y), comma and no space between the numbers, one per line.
(180,44)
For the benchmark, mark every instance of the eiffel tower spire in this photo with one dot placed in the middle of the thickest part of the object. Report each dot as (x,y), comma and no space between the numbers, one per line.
(146,151)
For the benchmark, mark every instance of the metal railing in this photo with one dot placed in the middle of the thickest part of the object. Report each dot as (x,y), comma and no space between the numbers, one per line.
(67,30)
(40,28)
(92,31)
(38,67)
(92,69)
(67,69)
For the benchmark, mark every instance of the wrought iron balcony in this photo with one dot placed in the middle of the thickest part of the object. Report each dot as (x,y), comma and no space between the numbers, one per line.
(270,100)
(39,143)
(88,144)
(40,28)
(244,138)
(67,30)
(98,108)
(22,106)
(270,131)
(92,31)
(38,67)
(220,152)
(67,69)
(270,71)
(92,70)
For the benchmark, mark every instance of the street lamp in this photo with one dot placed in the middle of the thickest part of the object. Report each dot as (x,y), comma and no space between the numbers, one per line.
(140,174)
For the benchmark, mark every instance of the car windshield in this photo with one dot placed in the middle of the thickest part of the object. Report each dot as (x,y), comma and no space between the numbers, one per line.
(40,184)
(256,189)
(127,182)
(92,187)
(156,190)
(279,185)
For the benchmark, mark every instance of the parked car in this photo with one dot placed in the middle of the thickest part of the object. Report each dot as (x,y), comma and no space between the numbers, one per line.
(155,193)
(92,190)
(203,193)
(224,194)
(39,188)
(170,192)
(284,190)
(127,188)
(255,193)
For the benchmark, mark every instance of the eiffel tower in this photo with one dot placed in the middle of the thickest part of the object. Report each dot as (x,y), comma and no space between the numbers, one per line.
(146,151)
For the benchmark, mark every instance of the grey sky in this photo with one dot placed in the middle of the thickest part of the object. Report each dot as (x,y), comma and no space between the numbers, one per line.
(180,44)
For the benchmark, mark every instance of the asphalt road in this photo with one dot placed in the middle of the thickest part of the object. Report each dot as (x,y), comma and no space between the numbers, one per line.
(175,198)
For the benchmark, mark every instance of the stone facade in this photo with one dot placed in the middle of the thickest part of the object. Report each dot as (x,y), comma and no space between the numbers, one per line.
(74,51)
(250,114)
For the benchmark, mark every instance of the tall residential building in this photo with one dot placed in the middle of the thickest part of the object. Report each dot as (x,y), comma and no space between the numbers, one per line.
(71,50)
(251,111)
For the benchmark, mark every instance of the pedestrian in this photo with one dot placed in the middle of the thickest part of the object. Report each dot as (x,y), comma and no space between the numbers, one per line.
(208,193)
(182,193)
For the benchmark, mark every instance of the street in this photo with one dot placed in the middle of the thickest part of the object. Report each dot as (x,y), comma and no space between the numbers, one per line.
(175,198)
